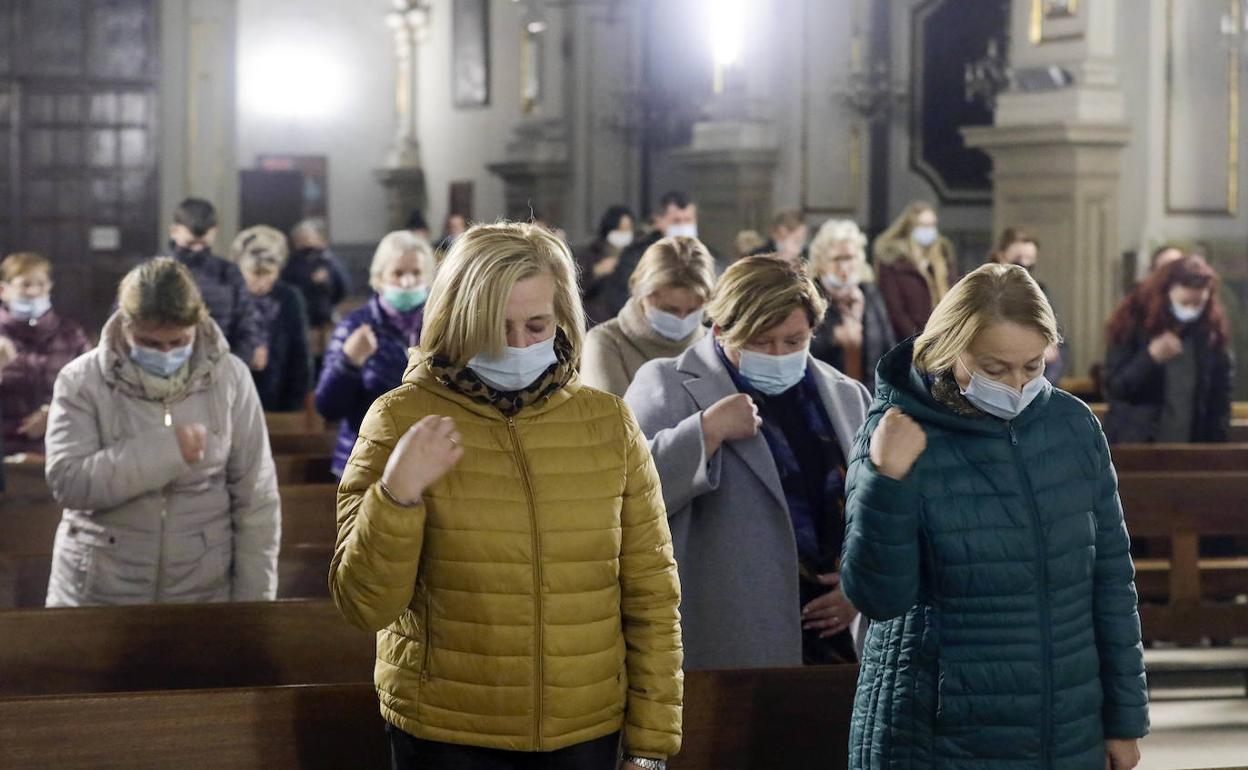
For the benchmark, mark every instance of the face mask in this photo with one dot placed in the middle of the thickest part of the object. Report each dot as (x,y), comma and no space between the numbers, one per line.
(620,239)
(773,375)
(404,300)
(832,283)
(999,399)
(1184,314)
(925,235)
(161,364)
(682,231)
(674,327)
(516,368)
(24,309)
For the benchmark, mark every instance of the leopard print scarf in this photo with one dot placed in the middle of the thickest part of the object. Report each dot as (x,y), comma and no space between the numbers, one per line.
(948,393)
(465,381)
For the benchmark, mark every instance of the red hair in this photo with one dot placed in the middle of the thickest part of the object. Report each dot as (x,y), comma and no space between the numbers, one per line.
(1146,309)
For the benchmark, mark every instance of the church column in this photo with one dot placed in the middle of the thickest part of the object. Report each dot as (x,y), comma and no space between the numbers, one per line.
(401,173)
(732,158)
(1056,148)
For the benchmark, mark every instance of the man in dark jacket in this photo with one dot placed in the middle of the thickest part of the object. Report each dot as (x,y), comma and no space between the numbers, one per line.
(678,215)
(317,274)
(225,293)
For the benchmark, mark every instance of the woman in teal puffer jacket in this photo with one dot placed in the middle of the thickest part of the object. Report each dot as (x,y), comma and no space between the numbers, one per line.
(985,538)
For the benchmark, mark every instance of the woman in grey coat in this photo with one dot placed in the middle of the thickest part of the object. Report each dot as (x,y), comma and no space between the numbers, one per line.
(750,435)
(158,451)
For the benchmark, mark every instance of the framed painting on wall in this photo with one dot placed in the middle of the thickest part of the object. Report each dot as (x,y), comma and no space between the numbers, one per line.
(470,53)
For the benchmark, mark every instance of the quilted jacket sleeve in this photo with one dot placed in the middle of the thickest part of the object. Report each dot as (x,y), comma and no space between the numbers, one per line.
(255,506)
(373,571)
(1116,619)
(650,597)
(880,559)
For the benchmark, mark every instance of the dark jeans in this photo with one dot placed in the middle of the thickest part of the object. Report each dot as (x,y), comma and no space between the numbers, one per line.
(410,753)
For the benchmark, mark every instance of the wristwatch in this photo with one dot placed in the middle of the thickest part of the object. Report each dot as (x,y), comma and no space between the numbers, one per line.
(645,763)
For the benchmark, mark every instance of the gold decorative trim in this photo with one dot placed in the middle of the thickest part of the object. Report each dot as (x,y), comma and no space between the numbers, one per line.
(1231,208)
(1040,11)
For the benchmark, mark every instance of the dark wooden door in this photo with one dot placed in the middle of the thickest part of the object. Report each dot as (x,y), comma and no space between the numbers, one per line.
(78,132)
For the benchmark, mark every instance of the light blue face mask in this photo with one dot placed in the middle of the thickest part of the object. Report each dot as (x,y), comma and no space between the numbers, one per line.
(998,399)
(24,309)
(1184,314)
(404,300)
(773,375)
(161,363)
(673,327)
(516,368)
(925,235)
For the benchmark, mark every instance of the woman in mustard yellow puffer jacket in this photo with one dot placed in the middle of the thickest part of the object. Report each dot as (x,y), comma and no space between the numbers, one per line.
(501,527)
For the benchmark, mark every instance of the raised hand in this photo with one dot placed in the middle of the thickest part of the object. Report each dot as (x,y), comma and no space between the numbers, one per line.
(732,418)
(898,441)
(360,346)
(424,454)
(192,440)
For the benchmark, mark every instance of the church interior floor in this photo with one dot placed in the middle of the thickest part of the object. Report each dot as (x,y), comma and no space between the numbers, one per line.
(1200,727)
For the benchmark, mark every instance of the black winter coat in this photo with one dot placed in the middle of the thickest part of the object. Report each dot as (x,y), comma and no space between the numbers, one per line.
(320,298)
(226,296)
(1135,385)
(877,335)
(285,382)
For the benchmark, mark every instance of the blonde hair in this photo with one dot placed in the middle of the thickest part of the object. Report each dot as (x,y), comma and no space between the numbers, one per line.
(679,262)
(23,262)
(906,221)
(260,249)
(756,294)
(991,294)
(749,241)
(393,246)
(161,291)
(833,233)
(467,309)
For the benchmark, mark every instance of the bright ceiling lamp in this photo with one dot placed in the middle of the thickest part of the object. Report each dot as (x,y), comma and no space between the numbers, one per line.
(291,82)
(727,22)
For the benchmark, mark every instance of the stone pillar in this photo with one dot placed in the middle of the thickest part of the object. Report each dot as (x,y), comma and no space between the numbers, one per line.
(535,172)
(733,168)
(401,173)
(1056,157)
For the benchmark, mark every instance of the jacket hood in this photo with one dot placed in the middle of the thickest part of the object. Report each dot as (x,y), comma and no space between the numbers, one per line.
(899,384)
(119,370)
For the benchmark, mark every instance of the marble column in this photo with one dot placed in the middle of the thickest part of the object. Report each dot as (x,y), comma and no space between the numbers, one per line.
(1056,154)
(401,173)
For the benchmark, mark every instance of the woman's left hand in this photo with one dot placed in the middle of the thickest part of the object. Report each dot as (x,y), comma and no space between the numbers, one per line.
(831,612)
(1121,754)
(35,425)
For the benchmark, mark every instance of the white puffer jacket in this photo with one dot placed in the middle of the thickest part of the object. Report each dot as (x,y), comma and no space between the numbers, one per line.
(141,525)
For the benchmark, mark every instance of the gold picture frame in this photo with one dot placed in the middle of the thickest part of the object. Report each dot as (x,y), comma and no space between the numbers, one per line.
(1048,14)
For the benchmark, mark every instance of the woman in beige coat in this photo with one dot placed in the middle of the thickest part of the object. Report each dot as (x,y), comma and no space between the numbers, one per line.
(158,451)
(662,319)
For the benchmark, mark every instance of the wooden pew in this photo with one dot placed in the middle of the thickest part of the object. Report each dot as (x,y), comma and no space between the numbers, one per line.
(295,422)
(796,719)
(311,443)
(1182,507)
(1180,457)
(28,481)
(179,646)
(28,529)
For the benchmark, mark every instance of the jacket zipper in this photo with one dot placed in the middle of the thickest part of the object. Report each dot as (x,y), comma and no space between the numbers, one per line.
(164,516)
(1042,567)
(537,582)
(424,669)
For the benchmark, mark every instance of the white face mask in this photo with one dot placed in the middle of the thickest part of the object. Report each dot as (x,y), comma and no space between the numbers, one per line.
(689,230)
(516,368)
(673,327)
(24,309)
(620,239)
(999,399)
(773,375)
(1184,314)
(925,235)
(832,283)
